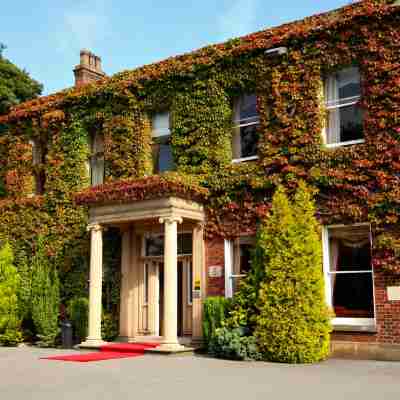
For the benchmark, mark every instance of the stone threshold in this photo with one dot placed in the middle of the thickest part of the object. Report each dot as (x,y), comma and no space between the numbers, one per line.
(184,351)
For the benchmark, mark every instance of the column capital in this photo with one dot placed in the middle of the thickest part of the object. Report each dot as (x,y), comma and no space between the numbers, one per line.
(94,227)
(199,225)
(170,220)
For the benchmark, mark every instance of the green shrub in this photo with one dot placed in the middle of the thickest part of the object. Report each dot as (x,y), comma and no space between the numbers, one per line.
(10,322)
(78,311)
(25,288)
(109,327)
(292,324)
(214,314)
(45,296)
(232,344)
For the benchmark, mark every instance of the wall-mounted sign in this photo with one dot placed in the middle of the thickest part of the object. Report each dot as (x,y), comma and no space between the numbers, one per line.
(196,294)
(393,293)
(215,271)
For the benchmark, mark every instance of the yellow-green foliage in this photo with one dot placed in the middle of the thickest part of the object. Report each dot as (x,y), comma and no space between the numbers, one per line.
(292,324)
(10,322)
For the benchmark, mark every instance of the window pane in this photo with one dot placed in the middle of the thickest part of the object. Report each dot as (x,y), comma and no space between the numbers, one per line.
(348,81)
(353,295)
(245,258)
(351,123)
(97,170)
(165,158)
(160,124)
(154,246)
(350,249)
(184,243)
(248,141)
(248,106)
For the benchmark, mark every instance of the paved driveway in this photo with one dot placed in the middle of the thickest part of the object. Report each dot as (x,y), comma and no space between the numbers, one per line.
(24,377)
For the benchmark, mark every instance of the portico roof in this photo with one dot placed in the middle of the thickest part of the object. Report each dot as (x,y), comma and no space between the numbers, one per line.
(165,196)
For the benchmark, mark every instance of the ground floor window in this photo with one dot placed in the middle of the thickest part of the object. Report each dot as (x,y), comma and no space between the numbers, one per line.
(349,274)
(238,256)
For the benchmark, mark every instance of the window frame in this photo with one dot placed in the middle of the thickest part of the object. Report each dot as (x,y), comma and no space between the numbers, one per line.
(237,124)
(38,160)
(353,100)
(158,139)
(96,158)
(343,323)
(232,261)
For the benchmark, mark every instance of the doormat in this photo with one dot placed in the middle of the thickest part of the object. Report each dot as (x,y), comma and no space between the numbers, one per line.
(107,352)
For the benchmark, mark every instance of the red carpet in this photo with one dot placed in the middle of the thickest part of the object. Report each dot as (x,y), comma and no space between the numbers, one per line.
(107,352)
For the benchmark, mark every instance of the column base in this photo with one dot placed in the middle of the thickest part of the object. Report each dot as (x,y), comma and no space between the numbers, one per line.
(92,343)
(170,347)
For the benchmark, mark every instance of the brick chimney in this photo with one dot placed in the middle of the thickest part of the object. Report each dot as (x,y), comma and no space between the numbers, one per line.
(89,70)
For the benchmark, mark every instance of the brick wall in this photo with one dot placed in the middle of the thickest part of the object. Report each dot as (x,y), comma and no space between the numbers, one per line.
(215,258)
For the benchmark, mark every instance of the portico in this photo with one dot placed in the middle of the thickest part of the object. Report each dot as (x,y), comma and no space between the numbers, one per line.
(155,299)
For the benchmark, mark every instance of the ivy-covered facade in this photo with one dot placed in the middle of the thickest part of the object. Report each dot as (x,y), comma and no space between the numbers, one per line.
(327,93)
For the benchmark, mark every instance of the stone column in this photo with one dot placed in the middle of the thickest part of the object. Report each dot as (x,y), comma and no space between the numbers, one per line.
(95,293)
(198,284)
(170,341)
(125,318)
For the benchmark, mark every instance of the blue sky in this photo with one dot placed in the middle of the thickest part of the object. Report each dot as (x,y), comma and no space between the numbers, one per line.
(45,36)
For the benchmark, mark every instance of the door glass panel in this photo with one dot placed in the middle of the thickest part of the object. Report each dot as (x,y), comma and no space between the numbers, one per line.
(154,245)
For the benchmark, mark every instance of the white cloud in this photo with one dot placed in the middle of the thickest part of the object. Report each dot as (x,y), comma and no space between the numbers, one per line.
(82,26)
(239,19)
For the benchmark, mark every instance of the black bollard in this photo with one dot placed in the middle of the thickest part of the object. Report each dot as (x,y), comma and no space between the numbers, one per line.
(66,334)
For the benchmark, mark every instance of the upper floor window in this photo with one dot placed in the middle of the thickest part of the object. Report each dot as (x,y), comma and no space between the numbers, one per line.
(344,121)
(245,125)
(97,160)
(162,151)
(38,158)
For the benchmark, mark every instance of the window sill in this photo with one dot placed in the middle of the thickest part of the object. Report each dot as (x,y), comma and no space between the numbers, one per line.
(244,159)
(366,325)
(342,144)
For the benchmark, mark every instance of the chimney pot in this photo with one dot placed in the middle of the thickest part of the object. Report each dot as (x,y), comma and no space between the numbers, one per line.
(89,69)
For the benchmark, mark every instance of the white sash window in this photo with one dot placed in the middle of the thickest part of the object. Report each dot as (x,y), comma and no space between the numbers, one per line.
(349,282)
(97,160)
(162,151)
(245,124)
(344,120)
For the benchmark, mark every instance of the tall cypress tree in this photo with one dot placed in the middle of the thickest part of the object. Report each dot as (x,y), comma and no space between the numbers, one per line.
(10,323)
(292,324)
(45,296)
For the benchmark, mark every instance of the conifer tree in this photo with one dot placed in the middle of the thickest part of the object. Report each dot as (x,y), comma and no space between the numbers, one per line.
(292,324)
(25,288)
(10,323)
(45,296)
